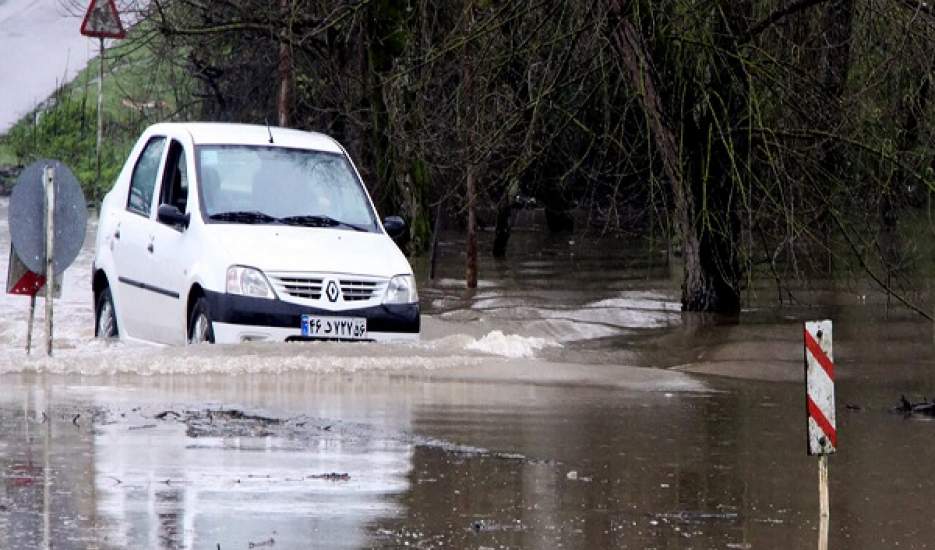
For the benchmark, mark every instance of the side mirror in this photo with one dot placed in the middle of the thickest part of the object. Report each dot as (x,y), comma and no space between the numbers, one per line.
(171,215)
(395,226)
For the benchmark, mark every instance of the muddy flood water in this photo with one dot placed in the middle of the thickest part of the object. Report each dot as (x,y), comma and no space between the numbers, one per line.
(568,403)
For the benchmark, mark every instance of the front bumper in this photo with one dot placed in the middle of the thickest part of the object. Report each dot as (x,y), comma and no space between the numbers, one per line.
(242,318)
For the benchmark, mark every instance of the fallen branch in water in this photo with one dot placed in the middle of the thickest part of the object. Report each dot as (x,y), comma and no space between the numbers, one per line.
(926,408)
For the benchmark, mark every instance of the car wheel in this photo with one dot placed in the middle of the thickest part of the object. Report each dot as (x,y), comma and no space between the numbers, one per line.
(200,330)
(105,316)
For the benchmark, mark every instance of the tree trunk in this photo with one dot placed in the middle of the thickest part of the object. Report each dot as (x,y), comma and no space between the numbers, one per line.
(903,190)
(470,269)
(837,22)
(701,290)
(504,225)
(284,97)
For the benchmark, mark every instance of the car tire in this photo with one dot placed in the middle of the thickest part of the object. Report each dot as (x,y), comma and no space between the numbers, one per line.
(200,329)
(105,315)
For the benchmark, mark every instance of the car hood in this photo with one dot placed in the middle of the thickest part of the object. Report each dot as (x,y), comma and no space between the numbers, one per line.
(309,249)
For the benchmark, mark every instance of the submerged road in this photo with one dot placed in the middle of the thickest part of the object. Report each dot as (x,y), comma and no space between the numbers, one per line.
(40,47)
(565,404)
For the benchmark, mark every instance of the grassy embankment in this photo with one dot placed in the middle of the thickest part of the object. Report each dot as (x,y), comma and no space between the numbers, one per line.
(137,91)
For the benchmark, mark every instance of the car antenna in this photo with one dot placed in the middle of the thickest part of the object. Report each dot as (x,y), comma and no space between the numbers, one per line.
(268,129)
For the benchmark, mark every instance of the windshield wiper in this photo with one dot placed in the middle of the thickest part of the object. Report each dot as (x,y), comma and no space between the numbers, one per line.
(244,216)
(320,221)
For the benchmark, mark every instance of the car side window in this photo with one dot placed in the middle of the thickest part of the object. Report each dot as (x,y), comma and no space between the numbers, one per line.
(175,178)
(143,181)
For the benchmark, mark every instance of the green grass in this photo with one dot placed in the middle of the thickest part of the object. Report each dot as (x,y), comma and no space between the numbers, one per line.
(7,156)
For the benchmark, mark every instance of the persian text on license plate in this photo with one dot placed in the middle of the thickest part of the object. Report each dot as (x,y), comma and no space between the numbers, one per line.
(345,328)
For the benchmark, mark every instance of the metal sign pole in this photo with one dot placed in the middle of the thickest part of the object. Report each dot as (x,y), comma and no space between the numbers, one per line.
(100,111)
(32,319)
(49,249)
(46,200)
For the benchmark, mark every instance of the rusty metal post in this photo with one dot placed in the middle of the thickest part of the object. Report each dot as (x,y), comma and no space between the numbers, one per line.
(100,112)
(32,320)
(49,180)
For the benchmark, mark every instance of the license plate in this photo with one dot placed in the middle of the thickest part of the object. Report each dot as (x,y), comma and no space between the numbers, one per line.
(345,328)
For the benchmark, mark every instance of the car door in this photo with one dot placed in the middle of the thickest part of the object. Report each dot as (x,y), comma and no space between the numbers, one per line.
(131,238)
(168,248)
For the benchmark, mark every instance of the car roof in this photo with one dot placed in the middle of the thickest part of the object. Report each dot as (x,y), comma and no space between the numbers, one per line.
(222,133)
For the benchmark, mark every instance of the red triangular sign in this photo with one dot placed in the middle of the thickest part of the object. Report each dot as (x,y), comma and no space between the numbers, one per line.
(102,20)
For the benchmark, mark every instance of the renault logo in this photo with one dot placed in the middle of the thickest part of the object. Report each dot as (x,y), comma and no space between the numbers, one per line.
(332,291)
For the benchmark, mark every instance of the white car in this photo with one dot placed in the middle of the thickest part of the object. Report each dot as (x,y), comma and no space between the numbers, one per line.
(231,233)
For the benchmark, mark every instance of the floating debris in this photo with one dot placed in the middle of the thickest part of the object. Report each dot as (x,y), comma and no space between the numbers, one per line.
(686,516)
(490,525)
(332,476)
(908,408)
(143,427)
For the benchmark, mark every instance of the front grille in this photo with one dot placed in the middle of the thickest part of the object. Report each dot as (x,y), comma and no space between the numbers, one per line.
(311,286)
(357,290)
(298,286)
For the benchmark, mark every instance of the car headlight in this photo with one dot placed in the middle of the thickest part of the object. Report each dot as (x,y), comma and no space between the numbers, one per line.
(401,290)
(247,281)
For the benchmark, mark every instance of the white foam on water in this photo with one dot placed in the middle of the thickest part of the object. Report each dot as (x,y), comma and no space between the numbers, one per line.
(510,345)
(94,357)
(459,283)
(496,322)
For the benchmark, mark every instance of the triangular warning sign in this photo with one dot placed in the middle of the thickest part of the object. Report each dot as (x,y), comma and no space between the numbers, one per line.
(102,20)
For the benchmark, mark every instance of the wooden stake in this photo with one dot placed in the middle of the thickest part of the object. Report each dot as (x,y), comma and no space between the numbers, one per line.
(823,502)
(49,253)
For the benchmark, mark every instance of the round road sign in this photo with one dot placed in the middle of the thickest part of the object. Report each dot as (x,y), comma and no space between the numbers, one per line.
(27,217)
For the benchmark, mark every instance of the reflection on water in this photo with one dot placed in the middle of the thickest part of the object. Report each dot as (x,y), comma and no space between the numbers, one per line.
(93,472)
(446,464)
(185,492)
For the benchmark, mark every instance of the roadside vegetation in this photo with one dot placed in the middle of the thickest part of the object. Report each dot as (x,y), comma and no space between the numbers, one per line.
(780,139)
(137,92)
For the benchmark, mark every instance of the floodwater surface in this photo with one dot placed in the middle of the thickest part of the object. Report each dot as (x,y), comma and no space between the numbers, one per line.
(567,403)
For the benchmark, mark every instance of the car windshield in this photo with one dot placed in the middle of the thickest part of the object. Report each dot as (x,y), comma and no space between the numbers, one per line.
(276,185)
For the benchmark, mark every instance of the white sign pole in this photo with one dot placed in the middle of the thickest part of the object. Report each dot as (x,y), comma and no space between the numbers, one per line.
(822,429)
(49,181)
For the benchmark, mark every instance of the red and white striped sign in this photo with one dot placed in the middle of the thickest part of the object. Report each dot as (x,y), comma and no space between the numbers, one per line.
(819,386)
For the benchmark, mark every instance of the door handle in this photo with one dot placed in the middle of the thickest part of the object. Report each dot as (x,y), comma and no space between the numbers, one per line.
(117,234)
(150,247)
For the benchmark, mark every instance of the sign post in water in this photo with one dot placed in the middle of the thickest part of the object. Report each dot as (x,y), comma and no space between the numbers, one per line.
(47,218)
(819,402)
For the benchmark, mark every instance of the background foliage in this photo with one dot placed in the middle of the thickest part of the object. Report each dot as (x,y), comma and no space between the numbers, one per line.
(780,138)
